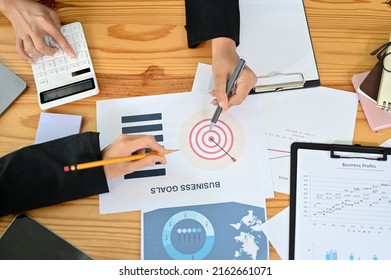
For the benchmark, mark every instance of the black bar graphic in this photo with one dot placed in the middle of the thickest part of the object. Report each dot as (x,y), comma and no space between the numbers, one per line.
(141,118)
(146,173)
(158,138)
(142,128)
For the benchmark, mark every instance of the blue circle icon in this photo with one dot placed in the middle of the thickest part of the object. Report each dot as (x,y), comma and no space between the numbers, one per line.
(188,235)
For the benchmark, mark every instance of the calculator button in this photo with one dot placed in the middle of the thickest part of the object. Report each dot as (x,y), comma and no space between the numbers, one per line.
(73,66)
(51,72)
(38,67)
(75,28)
(84,63)
(80,46)
(65,30)
(43,82)
(69,38)
(59,52)
(49,65)
(69,59)
(41,75)
(62,69)
(46,58)
(77,37)
(59,61)
(82,55)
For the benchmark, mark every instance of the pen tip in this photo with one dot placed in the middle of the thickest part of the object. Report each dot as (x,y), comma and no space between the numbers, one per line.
(211,126)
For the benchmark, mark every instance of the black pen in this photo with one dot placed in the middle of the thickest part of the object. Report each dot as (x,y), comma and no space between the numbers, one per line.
(232,80)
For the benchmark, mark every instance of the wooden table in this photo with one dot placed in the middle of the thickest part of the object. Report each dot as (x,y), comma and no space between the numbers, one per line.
(140,48)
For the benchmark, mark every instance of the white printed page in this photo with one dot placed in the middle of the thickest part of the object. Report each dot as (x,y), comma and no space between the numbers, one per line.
(343,208)
(225,164)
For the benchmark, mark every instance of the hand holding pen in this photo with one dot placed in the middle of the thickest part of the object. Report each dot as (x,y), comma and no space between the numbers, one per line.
(224,59)
(229,89)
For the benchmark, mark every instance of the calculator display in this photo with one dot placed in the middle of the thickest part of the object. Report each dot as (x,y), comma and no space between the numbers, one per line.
(67,90)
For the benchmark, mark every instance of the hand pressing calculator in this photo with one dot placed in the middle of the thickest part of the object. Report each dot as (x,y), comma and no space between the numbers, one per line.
(61,79)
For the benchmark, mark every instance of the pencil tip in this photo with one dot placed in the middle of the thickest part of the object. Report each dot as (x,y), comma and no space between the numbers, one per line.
(172,151)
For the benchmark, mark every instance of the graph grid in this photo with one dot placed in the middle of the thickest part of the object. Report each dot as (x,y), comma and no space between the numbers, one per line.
(356,204)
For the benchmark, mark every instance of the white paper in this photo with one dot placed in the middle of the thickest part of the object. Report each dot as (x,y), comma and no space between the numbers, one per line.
(320,114)
(342,207)
(387,144)
(54,126)
(274,37)
(200,172)
(277,232)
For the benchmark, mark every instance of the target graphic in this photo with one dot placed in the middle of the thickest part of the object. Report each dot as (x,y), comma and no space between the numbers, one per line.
(212,149)
(211,144)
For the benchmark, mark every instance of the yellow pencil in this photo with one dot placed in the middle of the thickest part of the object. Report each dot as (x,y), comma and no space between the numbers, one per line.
(102,162)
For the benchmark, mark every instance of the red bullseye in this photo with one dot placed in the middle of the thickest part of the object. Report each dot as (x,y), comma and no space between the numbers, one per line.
(211,144)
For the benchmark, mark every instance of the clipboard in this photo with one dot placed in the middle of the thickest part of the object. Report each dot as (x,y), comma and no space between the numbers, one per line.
(340,202)
(276,43)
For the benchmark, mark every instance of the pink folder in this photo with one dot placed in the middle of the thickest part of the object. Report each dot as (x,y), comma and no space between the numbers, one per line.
(377,118)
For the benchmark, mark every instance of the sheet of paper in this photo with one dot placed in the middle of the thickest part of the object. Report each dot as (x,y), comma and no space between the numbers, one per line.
(342,207)
(223,231)
(212,166)
(320,114)
(387,144)
(274,37)
(54,126)
(277,232)
(317,114)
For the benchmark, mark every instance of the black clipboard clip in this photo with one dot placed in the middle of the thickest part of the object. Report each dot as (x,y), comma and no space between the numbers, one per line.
(277,81)
(357,151)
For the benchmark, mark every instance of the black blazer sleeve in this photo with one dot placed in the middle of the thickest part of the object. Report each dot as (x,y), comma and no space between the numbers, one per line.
(208,19)
(34,176)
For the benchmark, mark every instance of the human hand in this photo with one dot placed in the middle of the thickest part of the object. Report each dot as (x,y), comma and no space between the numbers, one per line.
(31,21)
(224,59)
(125,145)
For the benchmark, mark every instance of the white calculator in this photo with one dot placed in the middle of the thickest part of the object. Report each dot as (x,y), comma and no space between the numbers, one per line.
(61,79)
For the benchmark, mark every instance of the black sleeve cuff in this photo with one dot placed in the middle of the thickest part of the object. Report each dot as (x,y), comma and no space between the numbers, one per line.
(34,176)
(209,19)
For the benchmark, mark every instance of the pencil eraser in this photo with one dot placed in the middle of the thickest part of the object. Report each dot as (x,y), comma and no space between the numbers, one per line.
(66,168)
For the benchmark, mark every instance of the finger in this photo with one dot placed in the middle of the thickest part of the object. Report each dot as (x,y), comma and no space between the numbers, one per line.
(244,85)
(29,48)
(21,52)
(237,99)
(56,20)
(143,142)
(41,46)
(55,33)
(61,41)
(212,92)
(150,160)
(220,93)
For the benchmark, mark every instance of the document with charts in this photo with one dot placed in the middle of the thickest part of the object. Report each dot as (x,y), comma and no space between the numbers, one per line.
(221,231)
(317,114)
(341,203)
(228,163)
(320,114)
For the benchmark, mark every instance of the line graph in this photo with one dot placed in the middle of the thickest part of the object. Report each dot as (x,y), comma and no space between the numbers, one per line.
(355,204)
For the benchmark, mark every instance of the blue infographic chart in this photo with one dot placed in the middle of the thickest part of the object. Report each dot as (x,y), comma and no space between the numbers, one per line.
(224,231)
